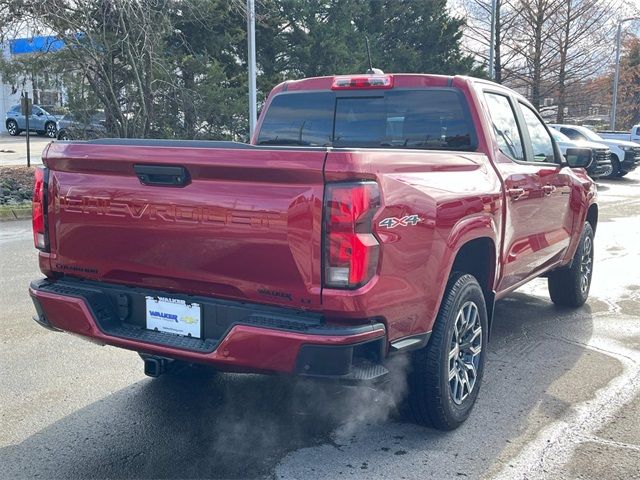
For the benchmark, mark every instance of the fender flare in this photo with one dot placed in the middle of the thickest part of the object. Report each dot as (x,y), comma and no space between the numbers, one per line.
(467,229)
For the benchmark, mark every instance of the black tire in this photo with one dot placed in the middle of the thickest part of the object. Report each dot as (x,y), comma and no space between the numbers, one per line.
(569,287)
(431,400)
(12,128)
(64,135)
(615,166)
(50,129)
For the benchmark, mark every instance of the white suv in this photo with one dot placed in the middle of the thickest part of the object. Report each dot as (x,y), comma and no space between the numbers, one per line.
(625,155)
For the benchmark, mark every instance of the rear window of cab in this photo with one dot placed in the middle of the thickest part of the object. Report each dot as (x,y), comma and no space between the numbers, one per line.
(428,119)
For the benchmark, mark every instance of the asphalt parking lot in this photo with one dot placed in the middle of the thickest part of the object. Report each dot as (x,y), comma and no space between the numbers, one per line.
(13,150)
(561,397)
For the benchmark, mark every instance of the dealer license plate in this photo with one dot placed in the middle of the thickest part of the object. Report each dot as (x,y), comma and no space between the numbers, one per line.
(175,316)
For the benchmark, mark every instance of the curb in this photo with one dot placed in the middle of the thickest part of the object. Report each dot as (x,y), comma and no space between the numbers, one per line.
(19,212)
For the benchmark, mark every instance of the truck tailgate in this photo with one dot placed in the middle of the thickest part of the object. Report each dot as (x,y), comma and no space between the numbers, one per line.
(245,225)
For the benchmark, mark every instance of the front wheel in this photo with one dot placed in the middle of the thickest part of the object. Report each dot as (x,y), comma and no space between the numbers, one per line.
(569,287)
(12,128)
(445,376)
(615,167)
(64,135)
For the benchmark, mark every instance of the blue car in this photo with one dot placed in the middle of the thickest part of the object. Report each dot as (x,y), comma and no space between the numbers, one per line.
(43,120)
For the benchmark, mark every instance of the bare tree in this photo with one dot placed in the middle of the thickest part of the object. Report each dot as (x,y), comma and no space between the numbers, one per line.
(478,34)
(630,83)
(535,29)
(581,41)
(115,46)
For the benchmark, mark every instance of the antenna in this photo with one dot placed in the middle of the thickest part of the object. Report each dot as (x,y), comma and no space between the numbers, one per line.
(371,70)
(366,39)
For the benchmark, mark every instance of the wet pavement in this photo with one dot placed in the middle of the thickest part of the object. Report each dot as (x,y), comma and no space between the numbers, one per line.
(560,398)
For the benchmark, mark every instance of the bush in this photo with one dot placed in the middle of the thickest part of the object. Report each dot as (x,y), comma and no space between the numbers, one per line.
(16,185)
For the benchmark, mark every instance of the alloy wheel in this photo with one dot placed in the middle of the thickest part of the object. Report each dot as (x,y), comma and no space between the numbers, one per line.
(12,128)
(51,130)
(586,264)
(464,352)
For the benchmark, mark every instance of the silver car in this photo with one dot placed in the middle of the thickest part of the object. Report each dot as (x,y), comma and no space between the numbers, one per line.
(82,125)
(601,164)
(43,120)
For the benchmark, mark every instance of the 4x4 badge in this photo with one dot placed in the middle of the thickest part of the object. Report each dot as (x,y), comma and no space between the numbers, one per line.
(393,222)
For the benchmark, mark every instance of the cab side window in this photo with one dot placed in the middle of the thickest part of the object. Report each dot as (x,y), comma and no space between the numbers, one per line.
(540,138)
(572,134)
(505,126)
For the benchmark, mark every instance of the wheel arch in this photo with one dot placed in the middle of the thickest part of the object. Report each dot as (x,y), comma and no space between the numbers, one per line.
(592,216)
(478,257)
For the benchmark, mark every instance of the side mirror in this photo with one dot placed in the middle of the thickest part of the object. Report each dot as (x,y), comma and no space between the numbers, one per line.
(578,157)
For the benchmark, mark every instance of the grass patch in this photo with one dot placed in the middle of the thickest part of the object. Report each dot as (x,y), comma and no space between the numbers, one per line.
(15,212)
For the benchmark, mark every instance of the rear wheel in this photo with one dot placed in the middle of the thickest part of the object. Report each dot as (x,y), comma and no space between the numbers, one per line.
(445,376)
(12,128)
(569,287)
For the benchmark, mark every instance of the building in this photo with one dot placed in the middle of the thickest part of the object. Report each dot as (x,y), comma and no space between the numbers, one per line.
(12,89)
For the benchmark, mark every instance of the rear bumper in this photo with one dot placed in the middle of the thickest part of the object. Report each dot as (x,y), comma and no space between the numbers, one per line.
(236,336)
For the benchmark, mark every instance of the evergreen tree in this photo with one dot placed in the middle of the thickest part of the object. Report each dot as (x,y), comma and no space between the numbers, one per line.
(415,37)
(178,68)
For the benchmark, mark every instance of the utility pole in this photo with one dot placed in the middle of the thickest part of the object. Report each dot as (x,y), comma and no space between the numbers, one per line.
(251,40)
(616,78)
(26,109)
(492,42)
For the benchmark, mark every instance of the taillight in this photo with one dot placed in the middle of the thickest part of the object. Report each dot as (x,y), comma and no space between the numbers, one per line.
(39,209)
(350,249)
(366,81)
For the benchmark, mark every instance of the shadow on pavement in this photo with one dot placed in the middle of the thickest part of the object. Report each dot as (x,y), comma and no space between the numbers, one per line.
(243,426)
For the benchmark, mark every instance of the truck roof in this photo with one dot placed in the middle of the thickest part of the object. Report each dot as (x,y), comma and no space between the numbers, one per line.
(400,80)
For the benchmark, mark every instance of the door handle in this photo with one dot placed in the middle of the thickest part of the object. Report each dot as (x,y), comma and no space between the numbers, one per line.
(162,176)
(548,189)
(516,193)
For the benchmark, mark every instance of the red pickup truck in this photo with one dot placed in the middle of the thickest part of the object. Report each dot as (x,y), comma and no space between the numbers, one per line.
(371,216)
